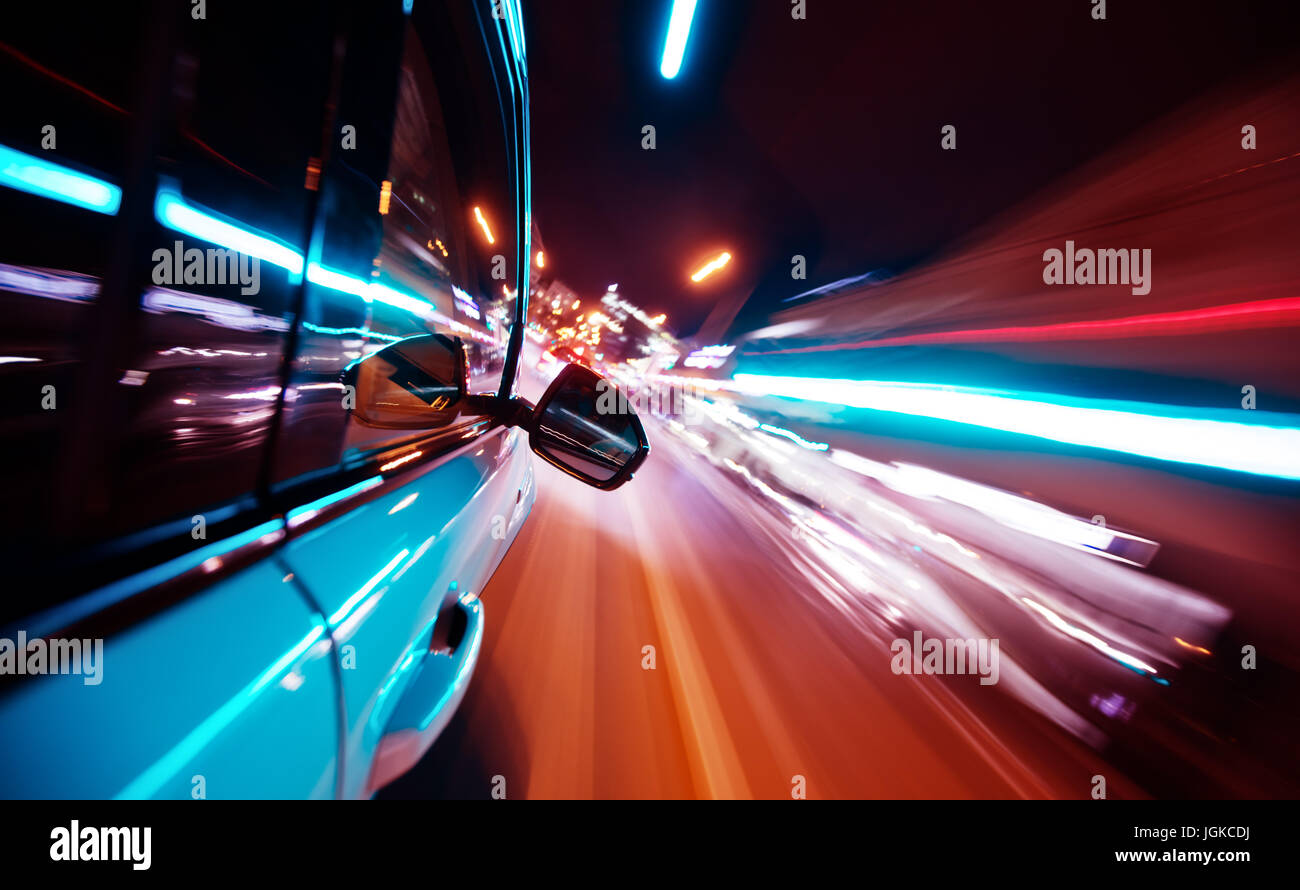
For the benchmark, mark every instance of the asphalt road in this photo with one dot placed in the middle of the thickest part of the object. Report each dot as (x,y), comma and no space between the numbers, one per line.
(757,679)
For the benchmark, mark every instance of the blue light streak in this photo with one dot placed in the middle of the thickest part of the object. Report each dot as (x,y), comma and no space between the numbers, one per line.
(515,25)
(37,176)
(176,213)
(339,281)
(1139,428)
(679,29)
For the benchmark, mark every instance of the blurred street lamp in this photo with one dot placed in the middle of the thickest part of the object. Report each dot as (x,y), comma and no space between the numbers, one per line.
(478,215)
(711,266)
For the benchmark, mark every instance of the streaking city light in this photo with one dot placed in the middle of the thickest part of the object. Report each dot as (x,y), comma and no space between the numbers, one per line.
(465,303)
(708,357)
(372,291)
(348,284)
(174,212)
(483,223)
(1138,428)
(793,437)
(1207,319)
(515,26)
(382,293)
(46,179)
(679,29)
(1004,508)
(711,266)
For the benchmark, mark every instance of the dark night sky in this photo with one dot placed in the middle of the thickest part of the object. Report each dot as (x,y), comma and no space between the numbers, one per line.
(821,137)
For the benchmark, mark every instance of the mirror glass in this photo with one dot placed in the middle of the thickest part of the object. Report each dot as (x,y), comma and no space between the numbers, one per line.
(416,383)
(585,425)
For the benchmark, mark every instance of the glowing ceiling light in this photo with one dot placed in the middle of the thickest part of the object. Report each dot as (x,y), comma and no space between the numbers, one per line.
(711,266)
(483,223)
(46,179)
(679,29)
(541,260)
(1138,428)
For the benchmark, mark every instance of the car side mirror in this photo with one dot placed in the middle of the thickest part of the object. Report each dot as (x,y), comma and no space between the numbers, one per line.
(416,383)
(584,425)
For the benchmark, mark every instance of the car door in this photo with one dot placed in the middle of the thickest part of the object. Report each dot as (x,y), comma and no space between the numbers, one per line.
(154,644)
(392,533)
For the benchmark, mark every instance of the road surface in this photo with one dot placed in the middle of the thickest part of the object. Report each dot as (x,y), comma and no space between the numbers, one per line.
(759,687)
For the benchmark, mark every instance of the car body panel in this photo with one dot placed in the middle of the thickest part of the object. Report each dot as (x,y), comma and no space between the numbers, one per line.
(229,693)
(384,570)
(210,531)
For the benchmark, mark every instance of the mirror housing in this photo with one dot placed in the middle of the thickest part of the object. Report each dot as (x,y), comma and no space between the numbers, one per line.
(416,383)
(584,426)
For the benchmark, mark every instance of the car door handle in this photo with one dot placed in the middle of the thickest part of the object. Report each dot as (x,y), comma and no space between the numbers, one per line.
(433,695)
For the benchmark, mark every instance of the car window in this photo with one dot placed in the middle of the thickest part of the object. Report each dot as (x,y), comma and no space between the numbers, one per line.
(209,354)
(448,223)
(143,357)
(63,140)
(415,239)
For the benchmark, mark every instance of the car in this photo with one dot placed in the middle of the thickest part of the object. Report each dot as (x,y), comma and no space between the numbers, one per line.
(264,454)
